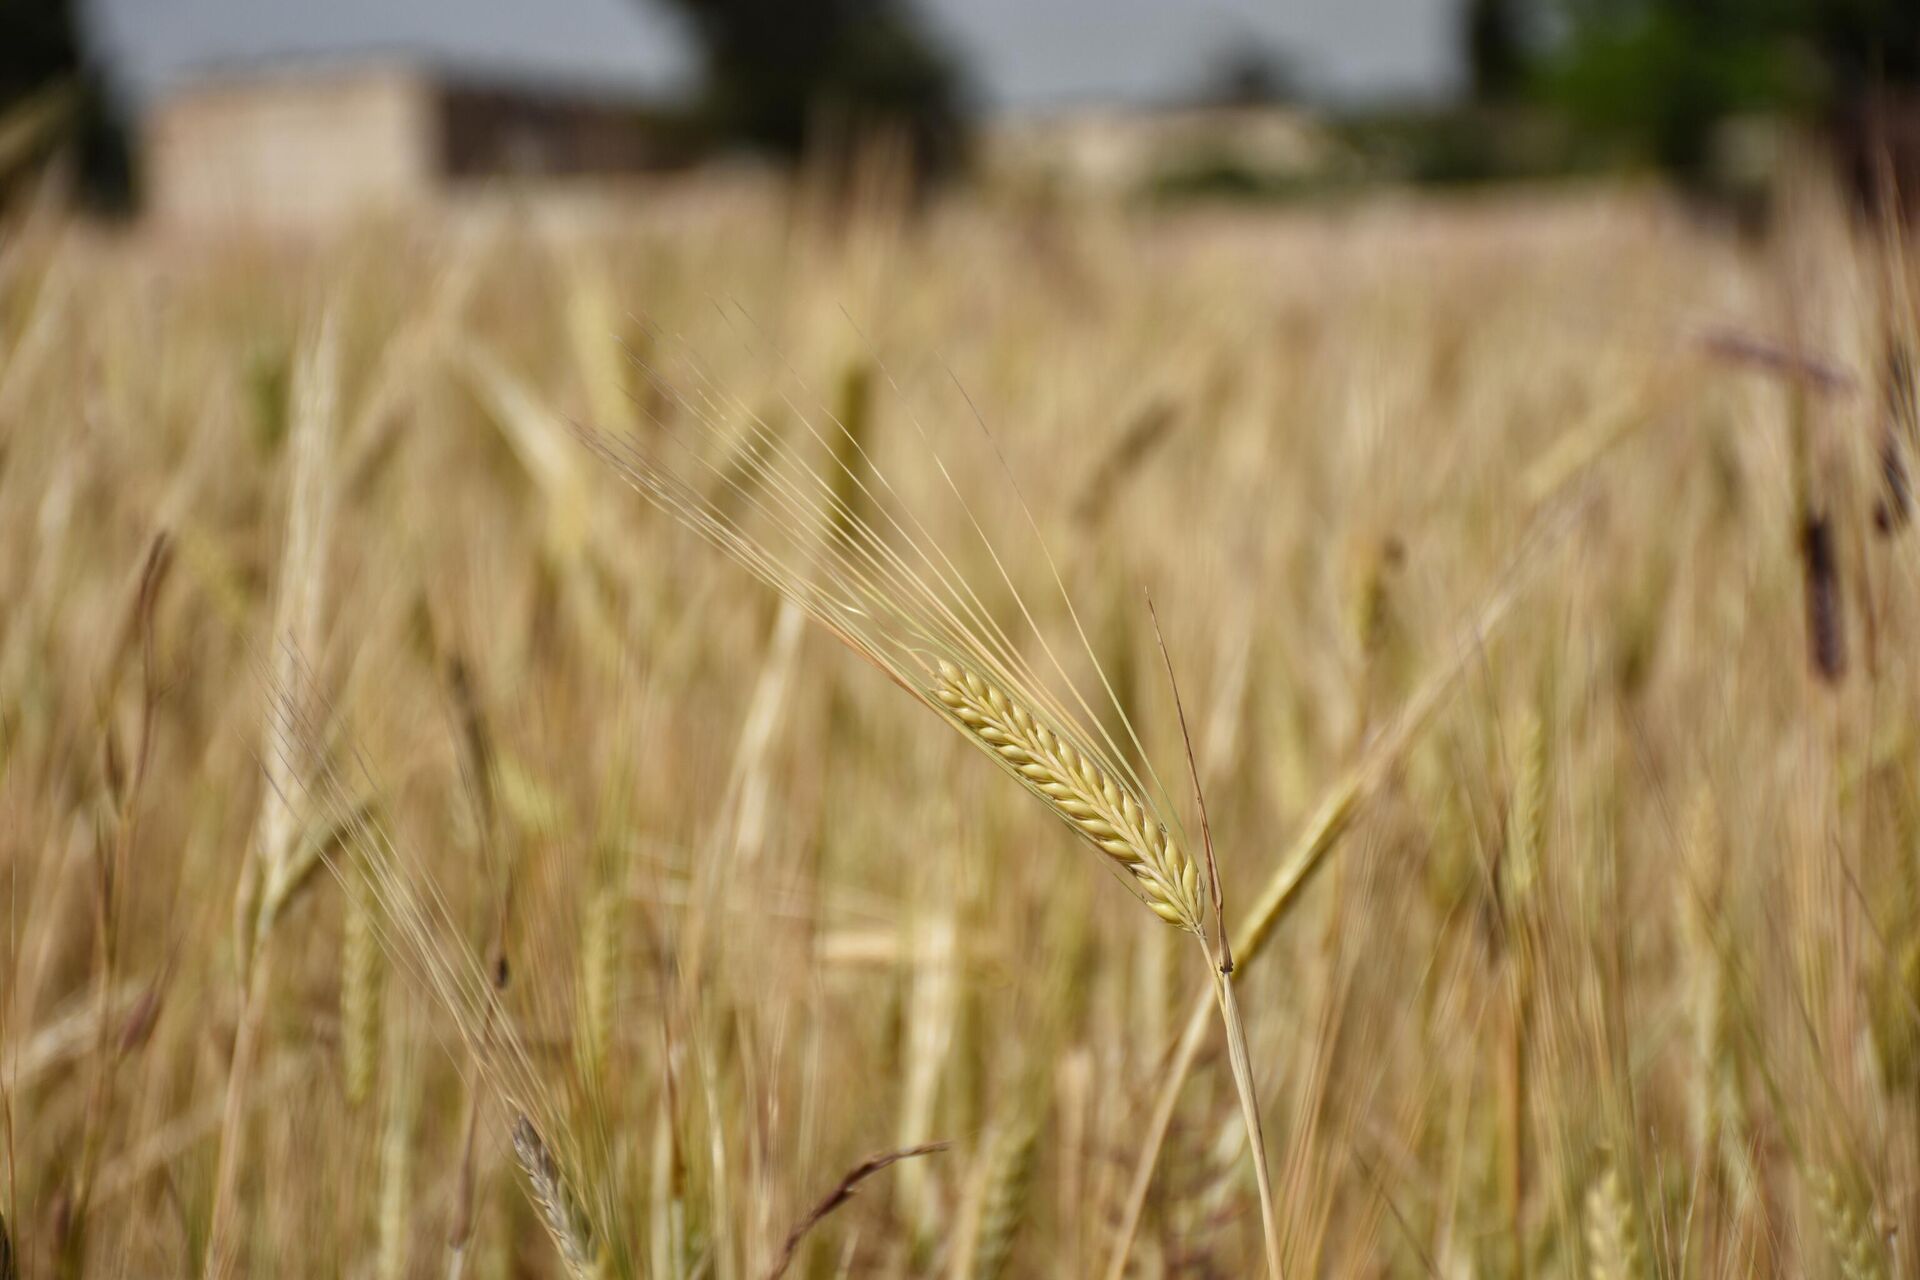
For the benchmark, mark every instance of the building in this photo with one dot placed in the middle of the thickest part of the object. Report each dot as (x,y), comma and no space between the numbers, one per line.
(1123,151)
(301,147)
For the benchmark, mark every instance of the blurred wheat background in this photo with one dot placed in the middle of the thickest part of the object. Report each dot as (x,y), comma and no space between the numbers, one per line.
(420,856)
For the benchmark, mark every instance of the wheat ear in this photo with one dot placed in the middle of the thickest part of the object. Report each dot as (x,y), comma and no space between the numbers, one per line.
(1612,1252)
(1107,815)
(1719,1113)
(1003,1200)
(599,975)
(360,973)
(1120,825)
(1847,1221)
(278,861)
(559,1211)
(1526,816)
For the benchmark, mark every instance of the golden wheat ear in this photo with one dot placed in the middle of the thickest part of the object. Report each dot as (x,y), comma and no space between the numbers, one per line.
(831,535)
(551,1194)
(1106,814)
(1613,1246)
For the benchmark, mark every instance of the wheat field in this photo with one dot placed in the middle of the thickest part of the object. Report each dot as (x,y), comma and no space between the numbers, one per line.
(447,825)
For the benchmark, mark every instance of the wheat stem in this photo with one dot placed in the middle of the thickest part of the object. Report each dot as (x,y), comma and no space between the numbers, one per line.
(360,959)
(1307,855)
(1242,1064)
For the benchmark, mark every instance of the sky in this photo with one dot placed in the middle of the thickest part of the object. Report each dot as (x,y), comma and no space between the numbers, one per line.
(1022,54)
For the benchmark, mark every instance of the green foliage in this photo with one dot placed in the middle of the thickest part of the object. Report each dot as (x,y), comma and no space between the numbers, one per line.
(1650,80)
(778,72)
(1656,77)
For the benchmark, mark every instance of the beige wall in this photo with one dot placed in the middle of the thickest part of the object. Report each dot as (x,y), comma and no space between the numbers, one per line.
(291,151)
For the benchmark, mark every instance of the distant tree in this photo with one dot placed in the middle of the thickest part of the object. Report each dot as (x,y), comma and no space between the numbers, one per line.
(39,43)
(1863,41)
(1248,74)
(1657,76)
(43,52)
(1496,48)
(776,73)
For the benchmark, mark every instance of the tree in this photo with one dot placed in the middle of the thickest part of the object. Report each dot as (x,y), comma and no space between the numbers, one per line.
(39,43)
(1656,77)
(779,72)
(1495,47)
(1248,73)
(44,59)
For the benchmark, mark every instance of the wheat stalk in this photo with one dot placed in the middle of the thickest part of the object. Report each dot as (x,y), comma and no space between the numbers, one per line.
(841,1193)
(666,1200)
(280,861)
(413,920)
(1718,1111)
(1311,848)
(396,1155)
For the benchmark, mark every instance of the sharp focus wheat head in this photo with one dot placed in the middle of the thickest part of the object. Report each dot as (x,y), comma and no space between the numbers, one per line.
(1108,815)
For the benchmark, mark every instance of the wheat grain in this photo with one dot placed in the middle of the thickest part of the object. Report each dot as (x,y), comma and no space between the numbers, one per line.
(932,1013)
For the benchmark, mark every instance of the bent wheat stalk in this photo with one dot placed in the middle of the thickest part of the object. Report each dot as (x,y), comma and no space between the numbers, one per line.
(415,929)
(1120,825)
(881,584)
(1311,849)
